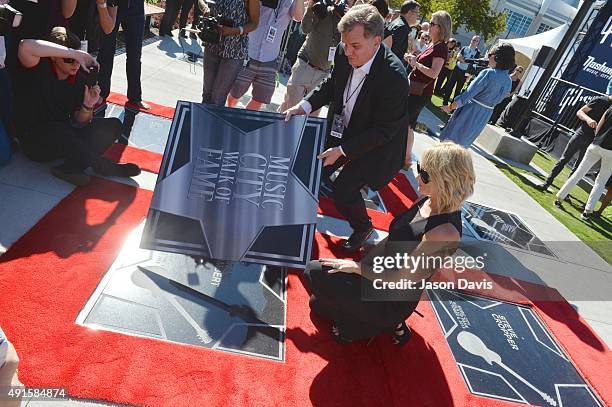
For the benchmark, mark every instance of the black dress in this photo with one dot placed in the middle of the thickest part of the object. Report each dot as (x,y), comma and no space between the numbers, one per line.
(349,300)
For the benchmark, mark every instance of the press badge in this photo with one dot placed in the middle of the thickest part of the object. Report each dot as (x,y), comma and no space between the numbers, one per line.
(332,53)
(271,34)
(337,126)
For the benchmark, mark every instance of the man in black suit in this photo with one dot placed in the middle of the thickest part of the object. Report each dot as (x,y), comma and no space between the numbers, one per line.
(367,93)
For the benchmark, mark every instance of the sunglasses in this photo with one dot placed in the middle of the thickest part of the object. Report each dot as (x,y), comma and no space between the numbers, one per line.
(69,60)
(424,174)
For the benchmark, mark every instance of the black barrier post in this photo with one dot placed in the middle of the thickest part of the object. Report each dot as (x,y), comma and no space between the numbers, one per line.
(524,114)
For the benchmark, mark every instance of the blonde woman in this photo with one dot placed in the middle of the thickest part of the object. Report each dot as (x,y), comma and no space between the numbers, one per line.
(425,69)
(348,293)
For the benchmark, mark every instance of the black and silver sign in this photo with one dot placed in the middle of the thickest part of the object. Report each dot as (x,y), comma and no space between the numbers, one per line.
(237,185)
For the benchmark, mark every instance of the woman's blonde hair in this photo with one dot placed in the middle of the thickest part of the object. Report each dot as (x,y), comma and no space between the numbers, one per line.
(450,168)
(446,24)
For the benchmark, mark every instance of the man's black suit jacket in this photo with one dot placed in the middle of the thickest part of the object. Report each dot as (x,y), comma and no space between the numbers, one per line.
(375,139)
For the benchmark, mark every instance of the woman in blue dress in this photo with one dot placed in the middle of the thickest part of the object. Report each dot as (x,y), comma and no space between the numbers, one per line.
(474,107)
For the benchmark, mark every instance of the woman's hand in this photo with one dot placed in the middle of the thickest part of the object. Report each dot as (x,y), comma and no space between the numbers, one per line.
(446,109)
(226,31)
(411,59)
(91,96)
(341,266)
(85,60)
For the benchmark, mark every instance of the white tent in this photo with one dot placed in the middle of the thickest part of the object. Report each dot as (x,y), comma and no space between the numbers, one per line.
(529,45)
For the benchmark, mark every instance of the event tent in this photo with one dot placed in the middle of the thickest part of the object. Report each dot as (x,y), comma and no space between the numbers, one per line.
(529,45)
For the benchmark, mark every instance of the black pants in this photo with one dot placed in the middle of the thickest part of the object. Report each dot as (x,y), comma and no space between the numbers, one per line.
(577,144)
(172,11)
(79,147)
(444,75)
(499,109)
(338,298)
(456,81)
(347,194)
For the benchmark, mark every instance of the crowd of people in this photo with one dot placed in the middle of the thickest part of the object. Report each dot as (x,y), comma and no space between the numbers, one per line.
(382,77)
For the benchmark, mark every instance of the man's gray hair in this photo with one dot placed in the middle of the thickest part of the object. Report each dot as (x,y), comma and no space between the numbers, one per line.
(365,15)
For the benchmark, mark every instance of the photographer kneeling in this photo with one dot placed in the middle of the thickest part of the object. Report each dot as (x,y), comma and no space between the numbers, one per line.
(54,109)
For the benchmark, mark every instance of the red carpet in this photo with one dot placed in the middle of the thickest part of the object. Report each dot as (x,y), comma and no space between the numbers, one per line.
(157,110)
(146,160)
(48,275)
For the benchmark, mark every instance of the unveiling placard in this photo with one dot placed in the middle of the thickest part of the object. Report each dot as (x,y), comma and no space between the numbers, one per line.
(236,184)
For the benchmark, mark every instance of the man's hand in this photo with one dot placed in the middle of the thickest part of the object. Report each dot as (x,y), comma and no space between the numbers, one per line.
(341,266)
(91,96)
(296,110)
(592,123)
(330,156)
(446,109)
(85,60)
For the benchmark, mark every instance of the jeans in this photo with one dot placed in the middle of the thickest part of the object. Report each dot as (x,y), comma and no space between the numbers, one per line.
(219,76)
(593,154)
(130,15)
(577,144)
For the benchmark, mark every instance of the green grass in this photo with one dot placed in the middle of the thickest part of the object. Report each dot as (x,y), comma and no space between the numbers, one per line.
(434,107)
(597,233)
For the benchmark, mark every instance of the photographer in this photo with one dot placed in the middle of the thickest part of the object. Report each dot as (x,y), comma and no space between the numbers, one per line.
(474,107)
(457,78)
(264,46)
(317,53)
(223,60)
(54,109)
(401,33)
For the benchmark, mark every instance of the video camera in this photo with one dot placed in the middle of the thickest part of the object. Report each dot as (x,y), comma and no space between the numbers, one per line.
(321,7)
(476,65)
(207,27)
(9,19)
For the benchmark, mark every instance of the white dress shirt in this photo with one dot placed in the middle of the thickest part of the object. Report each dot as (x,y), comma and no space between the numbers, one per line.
(351,91)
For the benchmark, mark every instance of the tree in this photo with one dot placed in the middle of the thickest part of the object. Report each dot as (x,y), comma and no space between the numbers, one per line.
(473,15)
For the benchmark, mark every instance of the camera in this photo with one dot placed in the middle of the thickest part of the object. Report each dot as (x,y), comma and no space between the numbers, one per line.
(207,29)
(9,18)
(476,65)
(90,78)
(207,26)
(321,7)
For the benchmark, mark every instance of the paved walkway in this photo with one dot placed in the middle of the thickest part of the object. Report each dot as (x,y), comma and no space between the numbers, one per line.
(28,192)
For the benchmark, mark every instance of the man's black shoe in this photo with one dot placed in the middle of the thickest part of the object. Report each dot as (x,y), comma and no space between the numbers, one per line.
(542,186)
(356,240)
(110,169)
(73,176)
